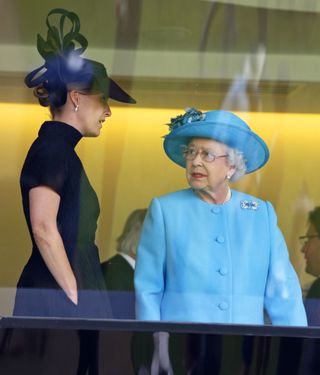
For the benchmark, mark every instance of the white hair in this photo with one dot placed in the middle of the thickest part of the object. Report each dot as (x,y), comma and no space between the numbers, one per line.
(127,242)
(236,159)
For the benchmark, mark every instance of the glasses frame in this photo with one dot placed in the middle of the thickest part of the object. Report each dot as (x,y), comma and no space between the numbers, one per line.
(304,239)
(189,157)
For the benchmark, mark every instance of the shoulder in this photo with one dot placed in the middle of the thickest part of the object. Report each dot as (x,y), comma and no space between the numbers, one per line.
(115,264)
(248,205)
(113,259)
(247,201)
(176,196)
(45,148)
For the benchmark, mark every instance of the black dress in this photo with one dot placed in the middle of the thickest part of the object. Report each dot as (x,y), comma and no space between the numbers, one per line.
(53,162)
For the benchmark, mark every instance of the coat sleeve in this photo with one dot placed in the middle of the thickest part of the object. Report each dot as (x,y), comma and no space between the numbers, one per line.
(283,297)
(150,266)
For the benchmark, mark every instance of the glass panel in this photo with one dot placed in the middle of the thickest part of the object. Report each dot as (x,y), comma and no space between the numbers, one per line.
(256,59)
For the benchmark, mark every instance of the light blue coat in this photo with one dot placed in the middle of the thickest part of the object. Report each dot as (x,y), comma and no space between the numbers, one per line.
(200,262)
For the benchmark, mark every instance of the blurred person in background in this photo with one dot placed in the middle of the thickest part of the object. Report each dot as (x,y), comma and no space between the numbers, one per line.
(118,271)
(311,251)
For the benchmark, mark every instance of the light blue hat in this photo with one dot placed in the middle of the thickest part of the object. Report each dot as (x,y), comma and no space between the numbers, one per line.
(222,126)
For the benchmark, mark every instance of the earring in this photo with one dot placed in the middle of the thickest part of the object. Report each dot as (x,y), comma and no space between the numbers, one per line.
(228,177)
(76,108)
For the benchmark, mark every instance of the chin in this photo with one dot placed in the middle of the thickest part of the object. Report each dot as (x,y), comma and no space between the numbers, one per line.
(197,185)
(93,135)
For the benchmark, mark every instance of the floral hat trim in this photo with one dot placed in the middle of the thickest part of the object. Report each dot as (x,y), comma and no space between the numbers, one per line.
(191,115)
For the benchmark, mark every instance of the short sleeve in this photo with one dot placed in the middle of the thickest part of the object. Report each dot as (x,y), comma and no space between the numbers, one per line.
(46,167)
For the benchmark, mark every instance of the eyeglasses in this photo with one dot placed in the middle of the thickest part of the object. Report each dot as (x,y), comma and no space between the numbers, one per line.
(190,153)
(306,238)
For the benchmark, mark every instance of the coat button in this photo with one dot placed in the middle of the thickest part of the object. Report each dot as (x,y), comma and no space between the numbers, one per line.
(223,271)
(220,239)
(223,305)
(215,210)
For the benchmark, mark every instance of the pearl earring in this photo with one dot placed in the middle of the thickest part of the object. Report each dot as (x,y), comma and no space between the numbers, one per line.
(76,108)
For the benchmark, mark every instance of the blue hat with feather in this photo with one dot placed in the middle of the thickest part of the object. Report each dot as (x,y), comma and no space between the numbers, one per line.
(221,126)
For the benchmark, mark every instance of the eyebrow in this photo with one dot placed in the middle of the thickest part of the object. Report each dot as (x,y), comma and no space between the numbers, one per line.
(202,148)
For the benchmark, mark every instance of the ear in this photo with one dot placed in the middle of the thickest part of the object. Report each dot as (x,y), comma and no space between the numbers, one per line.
(74,98)
(231,172)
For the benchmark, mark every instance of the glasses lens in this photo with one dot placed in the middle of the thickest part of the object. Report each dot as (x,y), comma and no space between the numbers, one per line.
(305,239)
(302,240)
(208,156)
(189,153)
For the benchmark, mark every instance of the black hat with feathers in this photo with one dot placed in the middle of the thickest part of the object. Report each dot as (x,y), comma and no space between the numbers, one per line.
(64,66)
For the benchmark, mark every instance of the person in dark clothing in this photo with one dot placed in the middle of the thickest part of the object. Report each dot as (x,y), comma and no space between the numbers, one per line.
(311,251)
(118,271)
(62,277)
(301,356)
(310,361)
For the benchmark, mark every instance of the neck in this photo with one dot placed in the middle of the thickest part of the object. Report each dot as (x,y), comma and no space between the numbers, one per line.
(215,197)
(68,119)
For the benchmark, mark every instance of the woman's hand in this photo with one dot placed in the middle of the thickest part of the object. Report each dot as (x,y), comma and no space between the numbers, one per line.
(44,206)
(73,296)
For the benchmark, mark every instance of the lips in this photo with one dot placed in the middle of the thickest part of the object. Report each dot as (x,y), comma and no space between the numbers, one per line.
(198,175)
(101,123)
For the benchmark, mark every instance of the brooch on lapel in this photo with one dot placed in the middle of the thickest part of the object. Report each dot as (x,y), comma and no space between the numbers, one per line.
(249,205)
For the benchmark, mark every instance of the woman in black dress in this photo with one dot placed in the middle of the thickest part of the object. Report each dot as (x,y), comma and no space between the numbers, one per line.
(62,277)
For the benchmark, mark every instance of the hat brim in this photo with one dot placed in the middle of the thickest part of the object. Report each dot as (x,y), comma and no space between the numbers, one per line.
(254,149)
(117,93)
(111,90)
(103,83)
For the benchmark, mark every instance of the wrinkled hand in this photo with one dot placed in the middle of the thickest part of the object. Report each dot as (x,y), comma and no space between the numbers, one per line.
(161,361)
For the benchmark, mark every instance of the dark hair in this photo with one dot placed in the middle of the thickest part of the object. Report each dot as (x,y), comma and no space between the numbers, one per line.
(51,95)
(54,95)
(314,218)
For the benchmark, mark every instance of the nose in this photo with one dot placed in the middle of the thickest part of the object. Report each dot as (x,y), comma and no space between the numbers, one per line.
(197,160)
(107,110)
(304,248)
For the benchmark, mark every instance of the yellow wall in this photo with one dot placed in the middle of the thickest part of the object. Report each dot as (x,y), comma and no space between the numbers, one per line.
(127,167)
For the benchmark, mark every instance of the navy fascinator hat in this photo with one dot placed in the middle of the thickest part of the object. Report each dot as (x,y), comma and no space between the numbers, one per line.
(64,66)
(221,126)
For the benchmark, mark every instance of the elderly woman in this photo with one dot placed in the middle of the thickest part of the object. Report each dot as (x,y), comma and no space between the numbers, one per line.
(208,253)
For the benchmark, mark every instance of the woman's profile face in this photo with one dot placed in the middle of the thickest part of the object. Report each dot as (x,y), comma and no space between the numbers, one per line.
(203,175)
(92,113)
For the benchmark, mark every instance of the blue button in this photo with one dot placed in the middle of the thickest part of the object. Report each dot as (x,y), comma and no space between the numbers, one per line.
(223,305)
(216,210)
(220,239)
(223,271)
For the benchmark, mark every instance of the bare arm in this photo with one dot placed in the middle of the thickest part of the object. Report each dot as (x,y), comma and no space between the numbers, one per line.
(44,205)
